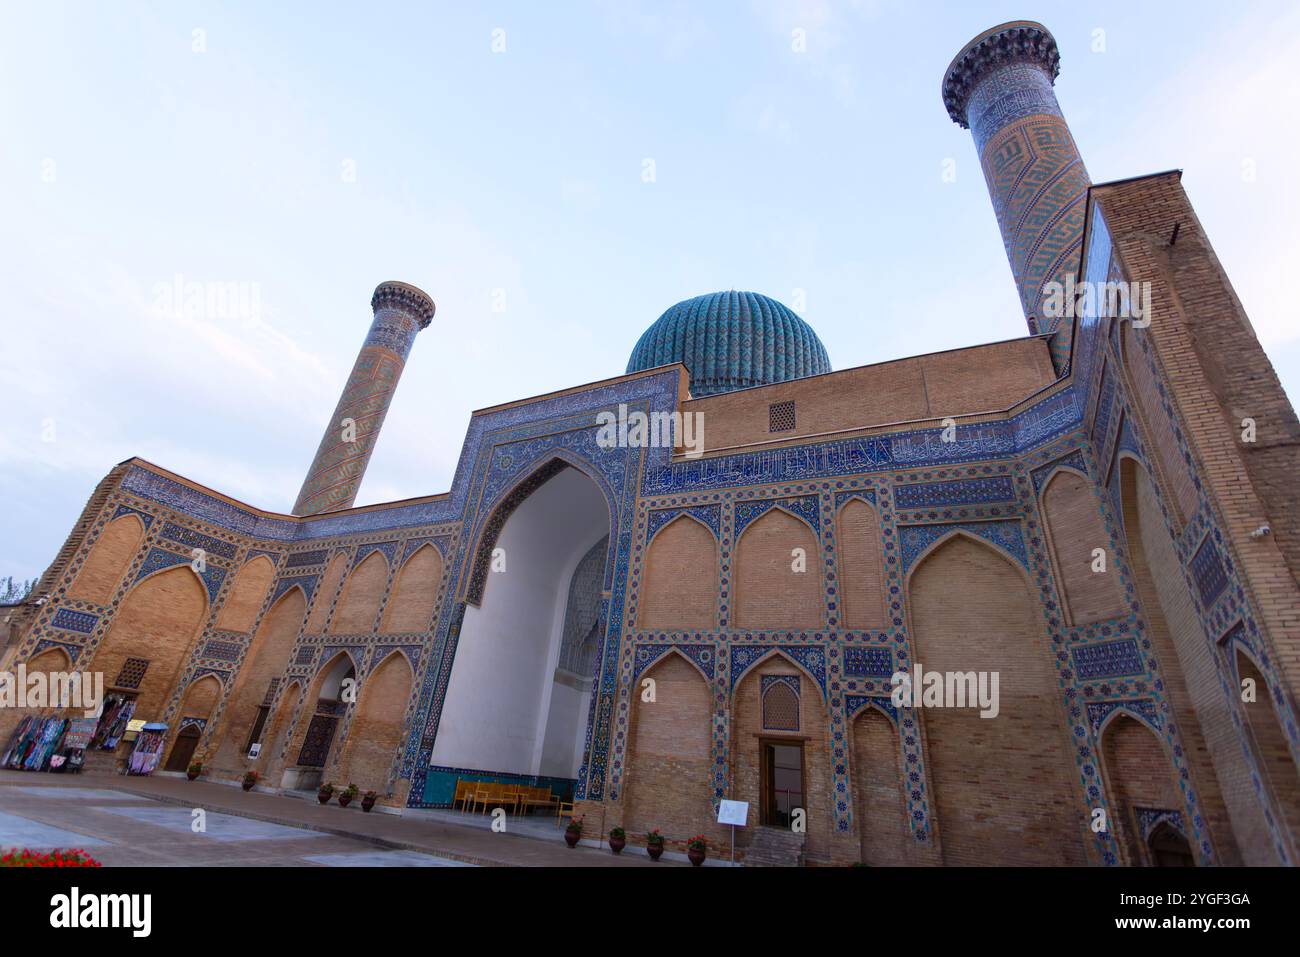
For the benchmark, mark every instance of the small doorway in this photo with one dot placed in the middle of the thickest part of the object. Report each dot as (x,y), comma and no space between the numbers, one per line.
(1169,848)
(320,734)
(783,786)
(183,750)
(319,737)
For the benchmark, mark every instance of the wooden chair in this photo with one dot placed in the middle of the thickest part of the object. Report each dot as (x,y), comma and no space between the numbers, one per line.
(562,807)
(464,793)
(539,797)
(503,796)
(482,795)
(517,796)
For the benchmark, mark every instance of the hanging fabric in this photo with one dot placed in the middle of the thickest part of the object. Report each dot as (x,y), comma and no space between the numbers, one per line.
(148,750)
(16,749)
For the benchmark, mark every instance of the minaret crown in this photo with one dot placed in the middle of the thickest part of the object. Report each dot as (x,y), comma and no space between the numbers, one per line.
(402,295)
(1017,41)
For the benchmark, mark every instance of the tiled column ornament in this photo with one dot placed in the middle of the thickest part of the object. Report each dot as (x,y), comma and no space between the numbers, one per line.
(335,475)
(1000,88)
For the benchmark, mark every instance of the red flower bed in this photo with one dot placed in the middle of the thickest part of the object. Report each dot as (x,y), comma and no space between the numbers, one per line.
(55,858)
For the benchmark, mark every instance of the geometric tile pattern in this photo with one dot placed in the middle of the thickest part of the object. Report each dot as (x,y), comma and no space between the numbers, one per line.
(1006,536)
(66,619)
(1000,87)
(805,507)
(995,489)
(1111,659)
(1207,569)
(868,662)
(732,340)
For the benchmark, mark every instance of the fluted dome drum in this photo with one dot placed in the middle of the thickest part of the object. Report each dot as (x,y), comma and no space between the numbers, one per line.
(731,340)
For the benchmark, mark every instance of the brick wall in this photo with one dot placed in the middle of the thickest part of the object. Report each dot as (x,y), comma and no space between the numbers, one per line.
(959,382)
(1138,774)
(1075,528)
(1002,790)
(680,586)
(159,621)
(747,737)
(1150,412)
(1217,375)
(266,660)
(362,594)
(1180,647)
(1268,740)
(200,699)
(668,766)
(414,593)
(329,585)
(245,600)
(376,730)
(770,593)
(880,811)
(108,561)
(861,582)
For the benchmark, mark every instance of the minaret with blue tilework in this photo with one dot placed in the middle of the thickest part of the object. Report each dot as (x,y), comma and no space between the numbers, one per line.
(400,311)
(1000,88)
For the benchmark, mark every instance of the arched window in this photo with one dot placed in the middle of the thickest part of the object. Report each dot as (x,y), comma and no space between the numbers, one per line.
(781,703)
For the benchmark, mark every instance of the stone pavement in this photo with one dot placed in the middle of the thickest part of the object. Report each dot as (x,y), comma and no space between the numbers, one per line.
(129,821)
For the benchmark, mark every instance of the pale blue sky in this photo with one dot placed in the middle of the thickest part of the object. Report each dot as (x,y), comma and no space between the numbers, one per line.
(128,159)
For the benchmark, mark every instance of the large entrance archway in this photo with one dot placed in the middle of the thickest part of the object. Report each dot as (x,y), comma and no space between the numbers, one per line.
(520,687)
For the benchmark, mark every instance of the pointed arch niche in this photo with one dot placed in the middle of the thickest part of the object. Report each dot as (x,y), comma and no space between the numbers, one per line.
(972,609)
(1075,529)
(157,623)
(410,609)
(668,784)
(772,593)
(512,708)
(679,581)
(861,582)
(246,712)
(109,559)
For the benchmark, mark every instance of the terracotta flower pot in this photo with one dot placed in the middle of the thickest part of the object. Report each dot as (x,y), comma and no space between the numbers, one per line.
(345,799)
(191,775)
(572,837)
(247,785)
(367,803)
(616,844)
(696,856)
(324,796)
(655,851)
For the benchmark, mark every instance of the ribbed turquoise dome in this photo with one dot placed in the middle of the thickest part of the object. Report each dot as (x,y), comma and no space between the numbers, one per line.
(731,340)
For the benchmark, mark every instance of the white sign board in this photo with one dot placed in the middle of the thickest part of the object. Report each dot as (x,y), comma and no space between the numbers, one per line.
(733,812)
(255,750)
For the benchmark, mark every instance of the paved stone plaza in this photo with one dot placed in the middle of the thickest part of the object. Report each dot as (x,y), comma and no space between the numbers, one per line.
(126,821)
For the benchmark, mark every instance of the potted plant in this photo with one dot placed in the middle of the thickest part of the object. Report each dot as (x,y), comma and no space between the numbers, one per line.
(194,770)
(654,844)
(368,800)
(250,779)
(325,793)
(697,850)
(617,840)
(348,794)
(573,833)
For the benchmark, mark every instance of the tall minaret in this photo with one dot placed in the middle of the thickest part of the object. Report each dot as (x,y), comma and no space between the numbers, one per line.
(1000,88)
(335,475)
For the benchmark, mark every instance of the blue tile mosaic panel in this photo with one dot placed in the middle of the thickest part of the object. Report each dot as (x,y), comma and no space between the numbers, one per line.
(868,662)
(999,488)
(1110,659)
(1208,571)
